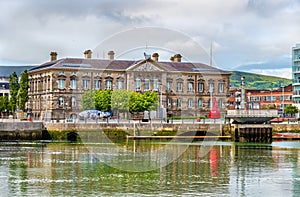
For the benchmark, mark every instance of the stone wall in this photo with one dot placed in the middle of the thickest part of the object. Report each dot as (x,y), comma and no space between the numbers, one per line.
(21,126)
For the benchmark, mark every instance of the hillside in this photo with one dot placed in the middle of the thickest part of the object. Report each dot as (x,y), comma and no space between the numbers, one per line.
(256,81)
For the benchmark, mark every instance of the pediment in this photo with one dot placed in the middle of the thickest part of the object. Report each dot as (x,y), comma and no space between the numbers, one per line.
(147,66)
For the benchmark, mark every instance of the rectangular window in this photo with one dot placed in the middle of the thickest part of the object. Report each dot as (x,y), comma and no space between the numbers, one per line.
(169,102)
(146,84)
(169,85)
(200,104)
(61,72)
(73,73)
(220,104)
(120,74)
(178,102)
(61,84)
(97,84)
(200,87)
(190,103)
(120,85)
(85,73)
(137,84)
(221,87)
(190,87)
(108,84)
(85,84)
(73,102)
(179,86)
(73,84)
(155,85)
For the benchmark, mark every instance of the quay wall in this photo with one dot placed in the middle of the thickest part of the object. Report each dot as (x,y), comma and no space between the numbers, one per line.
(21,130)
(24,130)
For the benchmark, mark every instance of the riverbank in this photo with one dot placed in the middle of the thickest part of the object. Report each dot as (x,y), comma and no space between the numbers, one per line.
(23,130)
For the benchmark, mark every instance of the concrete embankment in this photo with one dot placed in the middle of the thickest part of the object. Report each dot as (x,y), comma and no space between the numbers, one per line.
(13,130)
(21,130)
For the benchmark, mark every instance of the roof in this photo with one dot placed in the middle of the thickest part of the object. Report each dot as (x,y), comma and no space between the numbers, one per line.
(85,63)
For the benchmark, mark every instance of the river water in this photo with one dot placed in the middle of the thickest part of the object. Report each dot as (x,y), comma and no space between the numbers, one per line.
(202,169)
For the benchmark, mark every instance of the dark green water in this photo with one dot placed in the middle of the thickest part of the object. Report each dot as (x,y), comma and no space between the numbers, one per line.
(216,169)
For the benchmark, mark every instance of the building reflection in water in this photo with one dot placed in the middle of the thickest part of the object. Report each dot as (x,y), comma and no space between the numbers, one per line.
(54,168)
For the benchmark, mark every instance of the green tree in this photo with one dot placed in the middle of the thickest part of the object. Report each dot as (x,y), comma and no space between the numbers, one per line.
(88,100)
(142,102)
(4,103)
(291,109)
(120,100)
(103,100)
(13,90)
(22,96)
(136,102)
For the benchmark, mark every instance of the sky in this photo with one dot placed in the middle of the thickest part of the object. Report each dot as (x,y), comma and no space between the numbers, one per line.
(247,35)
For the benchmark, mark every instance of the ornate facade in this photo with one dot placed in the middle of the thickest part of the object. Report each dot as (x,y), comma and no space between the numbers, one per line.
(184,88)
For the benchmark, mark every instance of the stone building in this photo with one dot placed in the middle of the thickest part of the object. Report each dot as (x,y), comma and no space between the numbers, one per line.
(184,88)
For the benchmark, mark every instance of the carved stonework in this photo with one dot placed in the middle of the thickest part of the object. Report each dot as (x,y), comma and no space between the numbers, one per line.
(146,67)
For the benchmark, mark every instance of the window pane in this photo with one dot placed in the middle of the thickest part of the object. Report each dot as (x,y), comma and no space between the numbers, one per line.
(179,86)
(155,84)
(120,85)
(97,84)
(108,84)
(200,103)
(169,84)
(85,84)
(146,84)
(138,84)
(73,83)
(61,84)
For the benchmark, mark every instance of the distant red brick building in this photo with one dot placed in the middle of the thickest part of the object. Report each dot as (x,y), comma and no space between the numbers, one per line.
(261,99)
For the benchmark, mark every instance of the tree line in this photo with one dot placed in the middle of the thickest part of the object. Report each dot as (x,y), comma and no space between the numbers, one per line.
(122,100)
(18,93)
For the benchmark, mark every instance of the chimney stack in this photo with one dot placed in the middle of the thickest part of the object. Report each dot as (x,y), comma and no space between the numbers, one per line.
(88,54)
(177,58)
(155,57)
(172,59)
(111,55)
(53,56)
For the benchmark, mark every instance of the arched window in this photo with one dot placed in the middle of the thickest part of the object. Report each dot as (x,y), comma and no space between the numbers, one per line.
(73,102)
(61,101)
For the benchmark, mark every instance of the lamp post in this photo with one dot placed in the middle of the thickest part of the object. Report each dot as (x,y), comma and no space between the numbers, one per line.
(243,92)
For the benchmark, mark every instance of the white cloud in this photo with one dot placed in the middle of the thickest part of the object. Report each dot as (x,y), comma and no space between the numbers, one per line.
(242,31)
